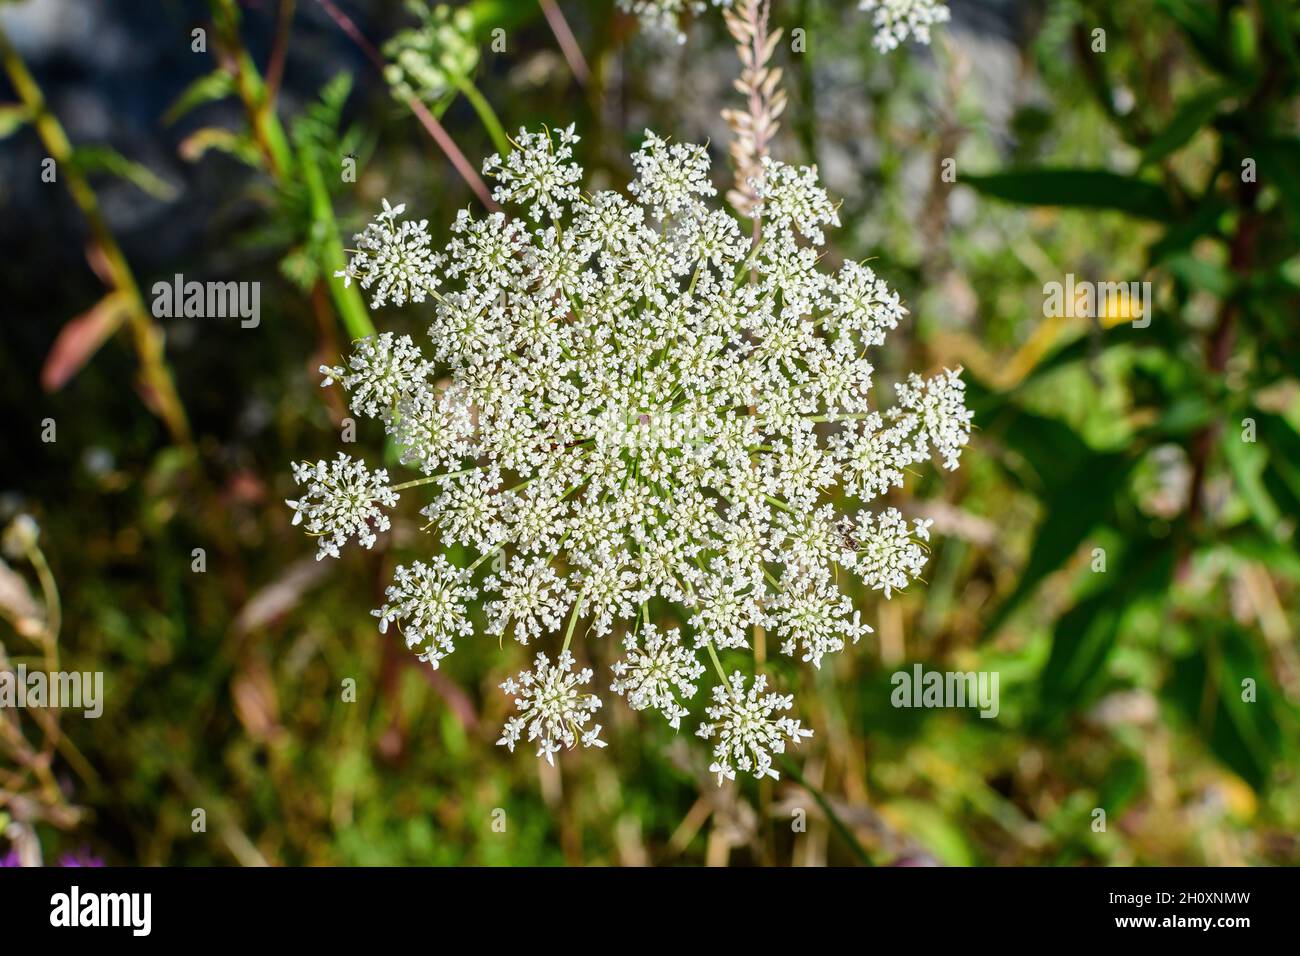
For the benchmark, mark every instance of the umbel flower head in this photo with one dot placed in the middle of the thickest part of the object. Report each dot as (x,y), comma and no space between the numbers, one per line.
(343,499)
(747,732)
(394,258)
(429,61)
(896,20)
(625,398)
(552,707)
(656,670)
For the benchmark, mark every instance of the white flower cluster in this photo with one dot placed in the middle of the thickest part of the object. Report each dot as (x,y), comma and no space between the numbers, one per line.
(747,734)
(428,61)
(656,669)
(896,20)
(395,258)
(665,16)
(626,399)
(379,373)
(343,499)
(552,707)
(430,600)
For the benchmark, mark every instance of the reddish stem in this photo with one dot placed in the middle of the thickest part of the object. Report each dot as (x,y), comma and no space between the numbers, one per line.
(426,118)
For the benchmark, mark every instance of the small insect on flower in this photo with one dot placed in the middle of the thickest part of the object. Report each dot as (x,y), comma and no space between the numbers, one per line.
(629,398)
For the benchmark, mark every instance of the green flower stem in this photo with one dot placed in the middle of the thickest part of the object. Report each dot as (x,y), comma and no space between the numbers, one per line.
(483,557)
(420,111)
(840,418)
(252,91)
(573,623)
(429,479)
(780,504)
(352,308)
(742,274)
(485,114)
(717,665)
(160,388)
(284,165)
(836,823)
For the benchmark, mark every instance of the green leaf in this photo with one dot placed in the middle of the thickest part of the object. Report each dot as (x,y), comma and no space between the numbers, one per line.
(930,827)
(1246,542)
(1076,188)
(1081,642)
(1242,42)
(13,117)
(1281,476)
(1207,688)
(1277,30)
(1086,634)
(208,88)
(1051,448)
(1199,274)
(1246,462)
(1125,783)
(1279,164)
(490,14)
(1074,510)
(1076,484)
(319,123)
(1203,220)
(238,145)
(1200,23)
(105,159)
(1278,487)
(1188,120)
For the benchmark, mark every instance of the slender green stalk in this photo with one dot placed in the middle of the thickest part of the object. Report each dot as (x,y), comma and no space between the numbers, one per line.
(837,824)
(500,141)
(146,335)
(283,164)
(352,308)
(717,665)
(267,130)
(422,113)
(429,479)
(573,622)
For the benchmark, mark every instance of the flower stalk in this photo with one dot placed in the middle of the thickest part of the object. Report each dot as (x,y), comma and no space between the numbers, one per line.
(158,385)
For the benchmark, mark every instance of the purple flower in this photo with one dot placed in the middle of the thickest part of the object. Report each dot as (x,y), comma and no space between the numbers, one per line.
(82,857)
